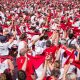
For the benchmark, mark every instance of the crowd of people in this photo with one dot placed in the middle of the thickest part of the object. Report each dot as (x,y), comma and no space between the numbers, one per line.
(39,39)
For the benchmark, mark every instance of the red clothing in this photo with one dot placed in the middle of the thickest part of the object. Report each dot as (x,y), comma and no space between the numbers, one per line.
(18,30)
(76,63)
(63,26)
(71,56)
(37,60)
(29,70)
(50,50)
(49,33)
(5,26)
(20,61)
(47,78)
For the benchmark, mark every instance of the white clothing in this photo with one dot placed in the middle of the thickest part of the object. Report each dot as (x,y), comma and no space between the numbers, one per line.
(72,42)
(14,42)
(71,69)
(3,17)
(39,71)
(76,24)
(4,48)
(21,45)
(32,19)
(35,37)
(3,66)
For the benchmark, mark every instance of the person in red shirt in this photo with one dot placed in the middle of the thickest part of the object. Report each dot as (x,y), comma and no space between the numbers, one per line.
(25,65)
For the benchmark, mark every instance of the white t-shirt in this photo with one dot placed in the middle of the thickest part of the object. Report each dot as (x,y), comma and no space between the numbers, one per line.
(3,17)
(21,45)
(4,48)
(14,42)
(72,42)
(4,66)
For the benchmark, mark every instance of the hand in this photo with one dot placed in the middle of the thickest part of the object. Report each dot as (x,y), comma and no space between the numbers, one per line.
(47,57)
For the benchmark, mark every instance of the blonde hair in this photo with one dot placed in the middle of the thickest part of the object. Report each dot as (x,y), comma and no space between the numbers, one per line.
(71,76)
(23,51)
(2,77)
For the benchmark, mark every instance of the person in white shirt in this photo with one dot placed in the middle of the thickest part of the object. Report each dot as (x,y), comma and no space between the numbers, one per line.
(22,43)
(6,64)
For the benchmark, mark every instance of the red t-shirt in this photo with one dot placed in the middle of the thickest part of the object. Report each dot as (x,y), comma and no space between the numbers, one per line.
(20,61)
(29,70)
(51,50)
(47,78)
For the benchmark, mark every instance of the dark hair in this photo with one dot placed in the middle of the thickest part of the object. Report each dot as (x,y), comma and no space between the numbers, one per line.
(41,38)
(45,36)
(55,73)
(57,64)
(2,76)
(36,31)
(13,51)
(71,35)
(37,23)
(33,27)
(23,36)
(14,47)
(21,75)
(48,43)
(8,74)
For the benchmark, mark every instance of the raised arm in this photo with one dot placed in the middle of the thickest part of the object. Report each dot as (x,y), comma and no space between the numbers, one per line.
(11,66)
(25,64)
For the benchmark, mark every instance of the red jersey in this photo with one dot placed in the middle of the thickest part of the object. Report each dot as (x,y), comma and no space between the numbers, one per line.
(20,61)
(29,70)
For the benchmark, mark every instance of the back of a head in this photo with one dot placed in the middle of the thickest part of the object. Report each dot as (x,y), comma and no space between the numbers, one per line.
(22,52)
(23,36)
(55,73)
(48,43)
(57,64)
(71,35)
(21,75)
(2,77)
(8,74)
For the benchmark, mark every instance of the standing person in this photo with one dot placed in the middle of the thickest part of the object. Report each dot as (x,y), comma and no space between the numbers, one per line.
(4,45)
(22,60)
(25,65)
(2,16)
(6,64)
(22,44)
(2,38)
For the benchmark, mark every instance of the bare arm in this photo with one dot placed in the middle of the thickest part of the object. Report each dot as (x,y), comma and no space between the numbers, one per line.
(11,66)
(58,54)
(66,67)
(34,41)
(25,64)
(51,66)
